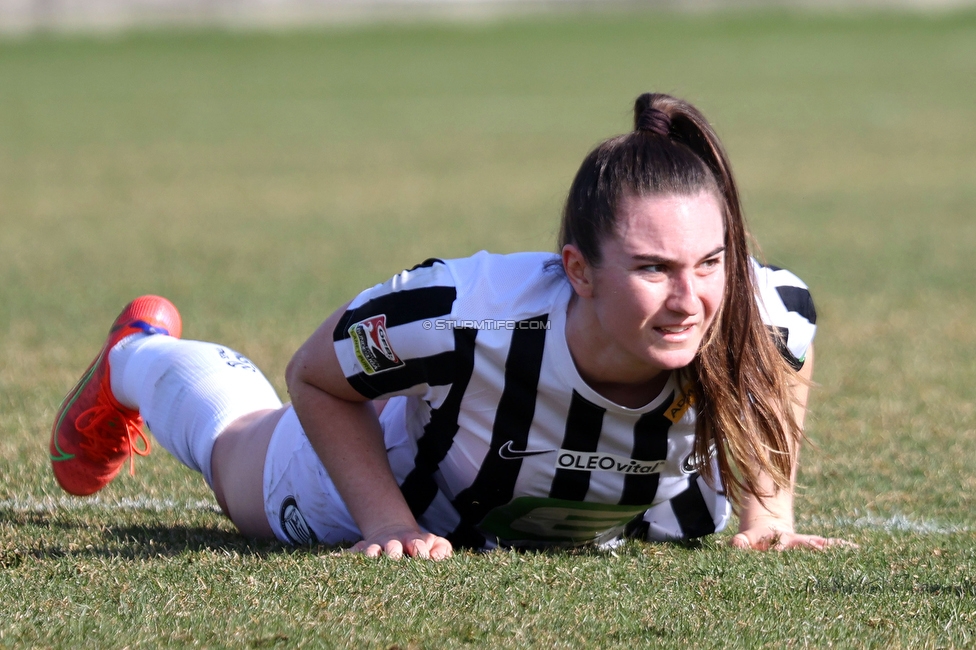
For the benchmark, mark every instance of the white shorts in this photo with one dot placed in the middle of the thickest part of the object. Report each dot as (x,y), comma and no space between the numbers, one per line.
(300,499)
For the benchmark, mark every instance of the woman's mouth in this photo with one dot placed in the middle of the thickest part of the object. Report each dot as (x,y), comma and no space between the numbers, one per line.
(673,329)
(675,333)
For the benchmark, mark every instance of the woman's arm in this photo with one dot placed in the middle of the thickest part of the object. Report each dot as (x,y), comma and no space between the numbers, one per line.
(345,432)
(768,524)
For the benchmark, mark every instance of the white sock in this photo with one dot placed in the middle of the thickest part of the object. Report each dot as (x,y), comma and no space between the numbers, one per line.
(118,360)
(187,391)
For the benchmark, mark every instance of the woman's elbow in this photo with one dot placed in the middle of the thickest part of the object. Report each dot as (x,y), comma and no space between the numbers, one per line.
(294,371)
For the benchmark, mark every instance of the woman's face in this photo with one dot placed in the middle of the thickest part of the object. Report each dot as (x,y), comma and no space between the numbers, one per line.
(661,280)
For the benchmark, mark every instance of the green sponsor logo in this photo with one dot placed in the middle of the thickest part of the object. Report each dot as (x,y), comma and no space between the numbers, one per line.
(537,520)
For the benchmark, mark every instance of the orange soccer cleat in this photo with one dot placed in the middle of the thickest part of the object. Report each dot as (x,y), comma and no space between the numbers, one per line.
(93,434)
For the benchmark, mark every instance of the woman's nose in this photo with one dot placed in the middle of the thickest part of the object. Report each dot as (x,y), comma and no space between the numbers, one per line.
(683,298)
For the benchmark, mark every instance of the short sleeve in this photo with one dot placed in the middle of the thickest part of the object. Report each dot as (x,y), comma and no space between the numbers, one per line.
(388,342)
(787,309)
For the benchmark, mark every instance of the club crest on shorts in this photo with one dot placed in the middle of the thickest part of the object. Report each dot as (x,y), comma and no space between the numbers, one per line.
(293,524)
(372,345)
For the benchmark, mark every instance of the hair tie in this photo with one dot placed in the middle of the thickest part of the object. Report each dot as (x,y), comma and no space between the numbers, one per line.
(655,121)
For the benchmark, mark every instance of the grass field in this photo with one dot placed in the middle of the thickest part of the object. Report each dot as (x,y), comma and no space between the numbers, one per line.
(258,180)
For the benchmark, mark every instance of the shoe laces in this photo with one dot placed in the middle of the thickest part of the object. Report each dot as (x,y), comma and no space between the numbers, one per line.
(106,431)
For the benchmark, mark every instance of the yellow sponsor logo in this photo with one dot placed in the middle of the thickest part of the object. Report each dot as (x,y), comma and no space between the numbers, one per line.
(682,401)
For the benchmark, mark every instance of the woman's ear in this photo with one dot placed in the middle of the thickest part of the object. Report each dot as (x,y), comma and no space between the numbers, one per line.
(578,270)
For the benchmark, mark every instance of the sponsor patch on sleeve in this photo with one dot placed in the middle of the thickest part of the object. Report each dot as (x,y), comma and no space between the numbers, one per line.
(372,345)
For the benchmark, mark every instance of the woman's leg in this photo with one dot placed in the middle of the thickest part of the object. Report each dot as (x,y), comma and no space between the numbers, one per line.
(239,456)
(206,404)
(188,392)
(211,408)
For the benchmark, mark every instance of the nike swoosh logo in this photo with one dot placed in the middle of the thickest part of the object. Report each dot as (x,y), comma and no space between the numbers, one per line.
(506,452)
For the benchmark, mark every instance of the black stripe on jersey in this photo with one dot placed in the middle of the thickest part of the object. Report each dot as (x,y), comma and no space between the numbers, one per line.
(419,488)
(779,337)
(637,528)
(427,263)
(799,300)
(650,443)
(691,512)
(436,370)
(583,426)
(400,307)
(496,478)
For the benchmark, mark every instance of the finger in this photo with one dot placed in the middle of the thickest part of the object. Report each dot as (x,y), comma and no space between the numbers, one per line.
(418,548)
(834,541)
(368,549)
(802,541)
(393,549)
(826,542)
(441,549)
(817,543)
(741,541)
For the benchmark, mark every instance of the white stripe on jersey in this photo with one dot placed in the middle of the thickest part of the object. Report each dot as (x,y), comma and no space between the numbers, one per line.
(774,311)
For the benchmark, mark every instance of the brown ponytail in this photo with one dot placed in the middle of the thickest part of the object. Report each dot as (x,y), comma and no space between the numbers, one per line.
(740,383)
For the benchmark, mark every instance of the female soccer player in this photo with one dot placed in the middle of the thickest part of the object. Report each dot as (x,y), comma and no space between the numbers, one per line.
(634,384)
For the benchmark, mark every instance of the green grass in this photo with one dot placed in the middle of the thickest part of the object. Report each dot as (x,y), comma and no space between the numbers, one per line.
(259,180)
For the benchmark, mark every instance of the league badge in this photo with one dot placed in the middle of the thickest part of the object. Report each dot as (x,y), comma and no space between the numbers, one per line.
(372,345)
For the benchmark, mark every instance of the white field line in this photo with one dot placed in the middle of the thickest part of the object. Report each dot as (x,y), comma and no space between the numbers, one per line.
(895,523)
(51,504)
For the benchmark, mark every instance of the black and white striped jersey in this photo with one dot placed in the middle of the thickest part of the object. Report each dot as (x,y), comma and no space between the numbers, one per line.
(498,438)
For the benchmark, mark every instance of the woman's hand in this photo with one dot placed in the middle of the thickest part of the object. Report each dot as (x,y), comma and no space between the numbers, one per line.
(767,524)
(767,536)
(396,543)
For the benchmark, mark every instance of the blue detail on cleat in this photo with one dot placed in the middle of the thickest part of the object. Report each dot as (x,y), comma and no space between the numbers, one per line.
(147,328)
